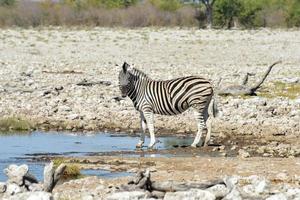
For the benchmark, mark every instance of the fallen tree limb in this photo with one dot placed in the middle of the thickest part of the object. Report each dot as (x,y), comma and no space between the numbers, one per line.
(240,90)
(84,82)
(170,186)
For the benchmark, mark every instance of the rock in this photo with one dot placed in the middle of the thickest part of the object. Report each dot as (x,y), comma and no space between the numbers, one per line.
(134,195)
(158,194)
(283,176)
(257,186)
(192,194)
(48,176)
(64,109)
(243,153)
(73,116)
(279,196)
(13,188)
(219,190)
(36,187)
(293,193)
(29,179)
(16,173)
(31,196)
(2,187)
(233,195)
(231,181)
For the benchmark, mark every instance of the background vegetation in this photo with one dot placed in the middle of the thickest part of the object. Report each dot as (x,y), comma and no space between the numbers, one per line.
(141,13)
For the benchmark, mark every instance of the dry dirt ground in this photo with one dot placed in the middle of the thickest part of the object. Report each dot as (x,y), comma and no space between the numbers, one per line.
(40,70)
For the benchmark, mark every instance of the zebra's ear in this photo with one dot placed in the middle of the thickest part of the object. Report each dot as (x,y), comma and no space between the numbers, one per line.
(125,67)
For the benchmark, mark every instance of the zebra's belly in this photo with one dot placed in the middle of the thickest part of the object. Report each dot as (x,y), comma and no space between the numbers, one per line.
(168,112)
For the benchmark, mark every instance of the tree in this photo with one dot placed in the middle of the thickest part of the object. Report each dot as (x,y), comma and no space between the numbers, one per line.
(209,11)
(226,11)
(7,2)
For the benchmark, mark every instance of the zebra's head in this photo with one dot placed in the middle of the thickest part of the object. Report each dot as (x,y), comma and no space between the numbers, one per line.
(125,79)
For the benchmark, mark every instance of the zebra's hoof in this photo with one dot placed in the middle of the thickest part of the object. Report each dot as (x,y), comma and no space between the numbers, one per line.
(151,146)
(139,145)
(194,145)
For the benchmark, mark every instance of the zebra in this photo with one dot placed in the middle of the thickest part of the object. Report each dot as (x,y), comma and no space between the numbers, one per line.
(170,97)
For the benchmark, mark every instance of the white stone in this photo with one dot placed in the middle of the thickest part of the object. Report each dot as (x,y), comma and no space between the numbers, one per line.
(134,195)
(279,196)
(231,181)
(219,190)
(16,173)
(31,196)
(36,187)
(233,195)
(2,187)
(243,153)
(193,194)
(13,188)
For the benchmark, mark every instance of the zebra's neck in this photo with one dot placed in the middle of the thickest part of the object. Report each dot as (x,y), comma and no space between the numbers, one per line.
(138,80)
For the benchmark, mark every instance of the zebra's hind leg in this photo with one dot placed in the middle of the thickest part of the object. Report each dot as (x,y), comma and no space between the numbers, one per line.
(201,120)
(208,125)
(209,114)
(149,119)
(144,128)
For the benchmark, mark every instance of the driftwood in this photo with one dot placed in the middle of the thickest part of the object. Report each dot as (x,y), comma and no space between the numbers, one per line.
(52,175)
(142,181)
(62,72)
(243,89)
(84,82)
(170,186)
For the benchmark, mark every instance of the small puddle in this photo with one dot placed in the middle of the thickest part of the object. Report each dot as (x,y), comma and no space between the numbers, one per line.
(27,148)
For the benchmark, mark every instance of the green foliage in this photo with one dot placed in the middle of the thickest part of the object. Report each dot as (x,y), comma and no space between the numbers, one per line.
(281,89)
(293,16)
(15,124)
(72,171)
(225,11)
(109,4)
(167,5)
(7,2)
(249,13)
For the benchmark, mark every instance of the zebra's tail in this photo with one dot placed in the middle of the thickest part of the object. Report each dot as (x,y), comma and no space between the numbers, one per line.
(213,109)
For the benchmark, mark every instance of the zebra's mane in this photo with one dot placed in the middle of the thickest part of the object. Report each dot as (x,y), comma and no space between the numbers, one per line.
(140,74)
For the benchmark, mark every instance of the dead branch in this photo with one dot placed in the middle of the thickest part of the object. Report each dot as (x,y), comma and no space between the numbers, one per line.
(86,83)
(240,90)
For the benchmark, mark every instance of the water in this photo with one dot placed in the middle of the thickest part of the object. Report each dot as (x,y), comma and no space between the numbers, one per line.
(15,147)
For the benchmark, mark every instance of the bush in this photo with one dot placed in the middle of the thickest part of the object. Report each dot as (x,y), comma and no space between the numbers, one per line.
(249,13)
(27,14)
(15,124)
(7,2)
(225,12)
(72,171)
(293,16)
(167,5)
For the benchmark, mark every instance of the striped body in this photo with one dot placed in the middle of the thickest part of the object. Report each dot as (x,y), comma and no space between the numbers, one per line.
(169,97)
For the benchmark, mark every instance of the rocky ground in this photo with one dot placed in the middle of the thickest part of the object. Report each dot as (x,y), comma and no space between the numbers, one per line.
(66,79)
(40,70)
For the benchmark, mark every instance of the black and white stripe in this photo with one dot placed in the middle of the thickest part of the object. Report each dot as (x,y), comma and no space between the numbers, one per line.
(169,97)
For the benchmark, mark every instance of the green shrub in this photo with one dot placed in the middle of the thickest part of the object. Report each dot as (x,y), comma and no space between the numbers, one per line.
(167,5)
(72,171)
(293,14)
(7,2)
(15,124)
(225,12)
(249,13)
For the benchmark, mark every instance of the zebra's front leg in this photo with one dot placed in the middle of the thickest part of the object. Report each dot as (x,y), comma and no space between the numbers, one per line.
(201,125)
(149,119)
(144,128)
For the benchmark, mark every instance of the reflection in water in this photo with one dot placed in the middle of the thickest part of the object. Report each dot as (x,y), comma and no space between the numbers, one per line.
(16,146)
